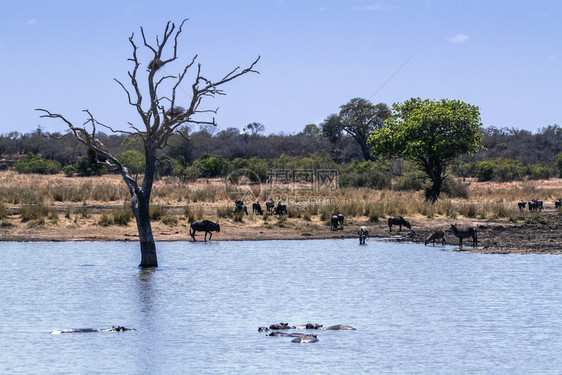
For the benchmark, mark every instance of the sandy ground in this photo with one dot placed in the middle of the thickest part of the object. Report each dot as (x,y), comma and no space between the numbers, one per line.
(493,236)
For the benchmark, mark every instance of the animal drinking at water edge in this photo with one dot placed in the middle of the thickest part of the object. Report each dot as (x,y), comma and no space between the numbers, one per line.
(399,220)
(363,234)
(438,234)
(204,226)
(464,233)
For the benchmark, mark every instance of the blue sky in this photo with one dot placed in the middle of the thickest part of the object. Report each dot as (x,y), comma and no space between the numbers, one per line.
(502,56)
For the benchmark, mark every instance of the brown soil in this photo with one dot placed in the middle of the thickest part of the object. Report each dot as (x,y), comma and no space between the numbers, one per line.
(493,236)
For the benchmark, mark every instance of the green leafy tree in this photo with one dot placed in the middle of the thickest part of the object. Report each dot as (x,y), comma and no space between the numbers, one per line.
(211,165)
(133,160)
(358,118)
(430,133)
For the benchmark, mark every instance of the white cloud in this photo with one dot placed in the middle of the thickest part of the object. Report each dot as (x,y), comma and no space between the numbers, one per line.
(378,7)
(458,39)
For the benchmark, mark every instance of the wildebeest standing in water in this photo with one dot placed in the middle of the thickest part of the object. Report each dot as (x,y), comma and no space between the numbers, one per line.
(399,220)
(363,234)
(206,226)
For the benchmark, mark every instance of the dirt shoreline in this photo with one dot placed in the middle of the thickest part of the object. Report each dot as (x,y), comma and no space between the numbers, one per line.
(495,237)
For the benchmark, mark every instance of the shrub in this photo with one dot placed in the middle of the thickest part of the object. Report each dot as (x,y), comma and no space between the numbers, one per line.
(373,179)
(85,168)
(485,171)
(540,172)
(409,182)
(121,216)
(500,169)
(69,170)
(170,220)
(238,217)
(293,212)
(105,220)
(84,213)
(224,212)
(3,211)
(455,188)
(36,164)
(189,214)
(156,212)
(34,212)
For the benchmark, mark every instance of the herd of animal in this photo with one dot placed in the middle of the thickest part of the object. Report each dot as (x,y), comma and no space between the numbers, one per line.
(535,205)
(337,220)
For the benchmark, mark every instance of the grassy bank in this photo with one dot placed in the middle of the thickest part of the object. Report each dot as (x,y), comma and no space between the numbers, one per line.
(40,199)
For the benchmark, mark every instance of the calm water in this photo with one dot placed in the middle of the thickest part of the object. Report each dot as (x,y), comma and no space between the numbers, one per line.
(416,309)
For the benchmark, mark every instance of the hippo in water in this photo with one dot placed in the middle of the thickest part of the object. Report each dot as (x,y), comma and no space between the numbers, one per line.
(281,326)
(305,339)
(340,327)
(87,330)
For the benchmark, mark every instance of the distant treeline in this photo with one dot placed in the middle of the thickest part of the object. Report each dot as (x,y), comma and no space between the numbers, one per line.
(509,154)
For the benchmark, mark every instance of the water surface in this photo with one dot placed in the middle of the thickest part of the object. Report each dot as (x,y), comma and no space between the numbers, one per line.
(416,309)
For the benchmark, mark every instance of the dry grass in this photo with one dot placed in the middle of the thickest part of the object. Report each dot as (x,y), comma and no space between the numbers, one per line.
(94,196)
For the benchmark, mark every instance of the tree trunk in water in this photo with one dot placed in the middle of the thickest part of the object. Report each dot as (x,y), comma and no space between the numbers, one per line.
(140,207)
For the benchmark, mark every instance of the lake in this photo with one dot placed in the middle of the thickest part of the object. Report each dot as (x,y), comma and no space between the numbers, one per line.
(417,309)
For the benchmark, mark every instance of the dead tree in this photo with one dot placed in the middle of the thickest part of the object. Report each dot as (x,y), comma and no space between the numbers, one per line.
(161,115)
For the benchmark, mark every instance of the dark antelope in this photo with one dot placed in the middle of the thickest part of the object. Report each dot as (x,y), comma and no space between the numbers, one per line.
(557,204)
(438,234)
(363,234)
(399,220)
(204,226)
(464,233)
(521,204)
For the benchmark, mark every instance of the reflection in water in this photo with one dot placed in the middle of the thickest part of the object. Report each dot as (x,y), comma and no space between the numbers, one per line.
(145,290)
(149,340)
